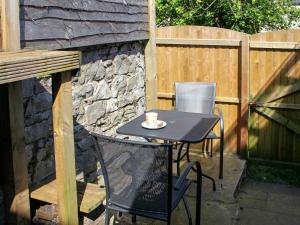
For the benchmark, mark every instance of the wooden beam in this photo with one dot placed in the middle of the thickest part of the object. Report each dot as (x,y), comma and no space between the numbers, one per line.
(64,148)
(13,155)
(281,92)
(14,174)
(221,100)
(166,95)
(10,24)
(198,42)
(27,64)
(244,76)
(228,100)
(275,45)
(150,60)
(279,105)
(282,120)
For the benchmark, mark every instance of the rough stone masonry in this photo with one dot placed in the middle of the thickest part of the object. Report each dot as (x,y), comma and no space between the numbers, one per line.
(109,91)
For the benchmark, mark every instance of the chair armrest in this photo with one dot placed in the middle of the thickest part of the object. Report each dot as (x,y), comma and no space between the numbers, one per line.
(185,173)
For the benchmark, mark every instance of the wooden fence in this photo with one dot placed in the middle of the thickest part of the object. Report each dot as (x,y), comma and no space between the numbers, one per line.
(274,122)
(261,69)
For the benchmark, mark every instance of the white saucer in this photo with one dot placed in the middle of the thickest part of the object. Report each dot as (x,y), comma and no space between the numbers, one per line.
(162,125)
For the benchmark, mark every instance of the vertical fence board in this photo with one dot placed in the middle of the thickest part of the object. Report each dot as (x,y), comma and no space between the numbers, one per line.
(244,95)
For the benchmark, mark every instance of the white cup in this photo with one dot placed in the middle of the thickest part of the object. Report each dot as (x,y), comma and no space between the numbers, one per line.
(151,119)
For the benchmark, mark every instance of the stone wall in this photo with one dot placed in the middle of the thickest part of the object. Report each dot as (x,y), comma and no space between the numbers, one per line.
(109,91)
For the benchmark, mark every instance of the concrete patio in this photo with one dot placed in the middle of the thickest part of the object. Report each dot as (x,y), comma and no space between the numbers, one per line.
(263,203)
(248,203)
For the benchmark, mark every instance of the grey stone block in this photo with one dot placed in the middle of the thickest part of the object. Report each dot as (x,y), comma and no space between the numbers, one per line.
(110,83)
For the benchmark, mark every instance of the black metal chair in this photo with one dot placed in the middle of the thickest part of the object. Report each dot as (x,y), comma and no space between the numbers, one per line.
(138,179)
(199,97)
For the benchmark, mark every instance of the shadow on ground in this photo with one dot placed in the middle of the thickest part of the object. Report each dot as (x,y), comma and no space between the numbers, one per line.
(218,207)
(257,203)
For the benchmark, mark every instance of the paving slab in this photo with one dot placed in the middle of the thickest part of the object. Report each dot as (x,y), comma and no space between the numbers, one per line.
(259,217)
(268,204)
(284,204)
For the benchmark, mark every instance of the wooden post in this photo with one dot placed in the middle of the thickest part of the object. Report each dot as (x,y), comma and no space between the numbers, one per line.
(245,73)
(13,156)
(150,60)
(10,25)
(64,148)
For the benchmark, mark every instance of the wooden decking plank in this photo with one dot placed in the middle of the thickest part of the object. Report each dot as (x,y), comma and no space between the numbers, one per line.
(36,69)
(15,66)
(7,58)
(44,73)
(21,65)
(90,196)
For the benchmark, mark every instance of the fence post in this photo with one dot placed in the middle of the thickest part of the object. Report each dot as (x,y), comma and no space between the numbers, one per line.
(245,75)
(150,60)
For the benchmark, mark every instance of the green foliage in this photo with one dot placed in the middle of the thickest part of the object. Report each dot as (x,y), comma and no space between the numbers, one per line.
(274,173)
(249,16)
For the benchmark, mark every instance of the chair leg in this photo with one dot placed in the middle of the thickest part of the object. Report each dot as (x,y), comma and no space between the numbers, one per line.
(107,216)
(211,148)
(169,220)
(188,156)
(198,195)
(188,211)
(203,146)
(188,152)
(207,146)
(133,218)
(204,175)
(221,158)
(212,180)
(178,158)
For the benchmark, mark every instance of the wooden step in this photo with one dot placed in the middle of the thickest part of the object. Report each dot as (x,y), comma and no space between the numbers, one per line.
(89,195)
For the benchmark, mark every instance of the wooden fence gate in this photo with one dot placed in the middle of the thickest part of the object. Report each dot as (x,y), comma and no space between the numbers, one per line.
(261,71)
(274,122)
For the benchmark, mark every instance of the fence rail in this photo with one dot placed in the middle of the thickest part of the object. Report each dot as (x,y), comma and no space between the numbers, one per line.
(200,42)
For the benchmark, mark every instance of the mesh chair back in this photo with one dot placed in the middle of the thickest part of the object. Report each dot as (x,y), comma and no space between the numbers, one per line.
(195,97)
(137,175)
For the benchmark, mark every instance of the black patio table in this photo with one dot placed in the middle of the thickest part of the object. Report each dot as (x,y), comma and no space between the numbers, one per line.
(181,126)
